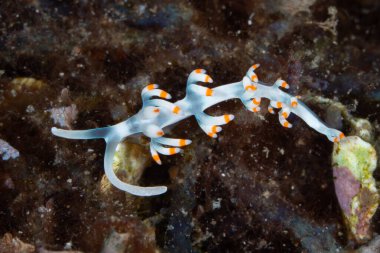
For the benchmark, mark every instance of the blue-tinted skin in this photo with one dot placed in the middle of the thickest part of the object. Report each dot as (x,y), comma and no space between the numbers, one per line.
(193,104)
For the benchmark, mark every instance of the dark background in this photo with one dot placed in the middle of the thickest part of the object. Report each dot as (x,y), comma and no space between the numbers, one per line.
(258,188)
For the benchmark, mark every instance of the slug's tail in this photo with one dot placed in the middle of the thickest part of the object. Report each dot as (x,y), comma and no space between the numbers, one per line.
(96,133)
(132,189)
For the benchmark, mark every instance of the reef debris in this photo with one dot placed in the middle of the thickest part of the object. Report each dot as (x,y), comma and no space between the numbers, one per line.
(7,151)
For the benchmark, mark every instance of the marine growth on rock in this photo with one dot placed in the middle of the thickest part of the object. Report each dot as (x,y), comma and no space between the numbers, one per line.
(354,162)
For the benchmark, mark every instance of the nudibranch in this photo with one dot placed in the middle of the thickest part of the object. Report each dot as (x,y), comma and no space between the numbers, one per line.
(157,113)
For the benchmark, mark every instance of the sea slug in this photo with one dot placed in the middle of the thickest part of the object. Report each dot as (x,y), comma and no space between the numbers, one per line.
(157,113)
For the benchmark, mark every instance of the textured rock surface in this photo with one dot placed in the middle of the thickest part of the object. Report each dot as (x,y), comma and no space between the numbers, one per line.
(354,162)
(258,187)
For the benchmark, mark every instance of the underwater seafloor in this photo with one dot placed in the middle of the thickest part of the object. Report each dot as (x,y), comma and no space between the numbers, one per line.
(259,187)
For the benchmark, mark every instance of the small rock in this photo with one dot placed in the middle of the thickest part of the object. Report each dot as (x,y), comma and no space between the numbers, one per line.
(10,244)
(354,162)
(64,116)
(7,151)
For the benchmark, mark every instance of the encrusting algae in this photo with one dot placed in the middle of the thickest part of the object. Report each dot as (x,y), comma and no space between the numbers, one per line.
(354,162)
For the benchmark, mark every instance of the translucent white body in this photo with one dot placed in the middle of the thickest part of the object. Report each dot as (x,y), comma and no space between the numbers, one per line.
(158,113)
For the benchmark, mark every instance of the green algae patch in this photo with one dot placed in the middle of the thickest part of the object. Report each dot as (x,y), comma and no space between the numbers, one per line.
(357,155)
(354,162)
